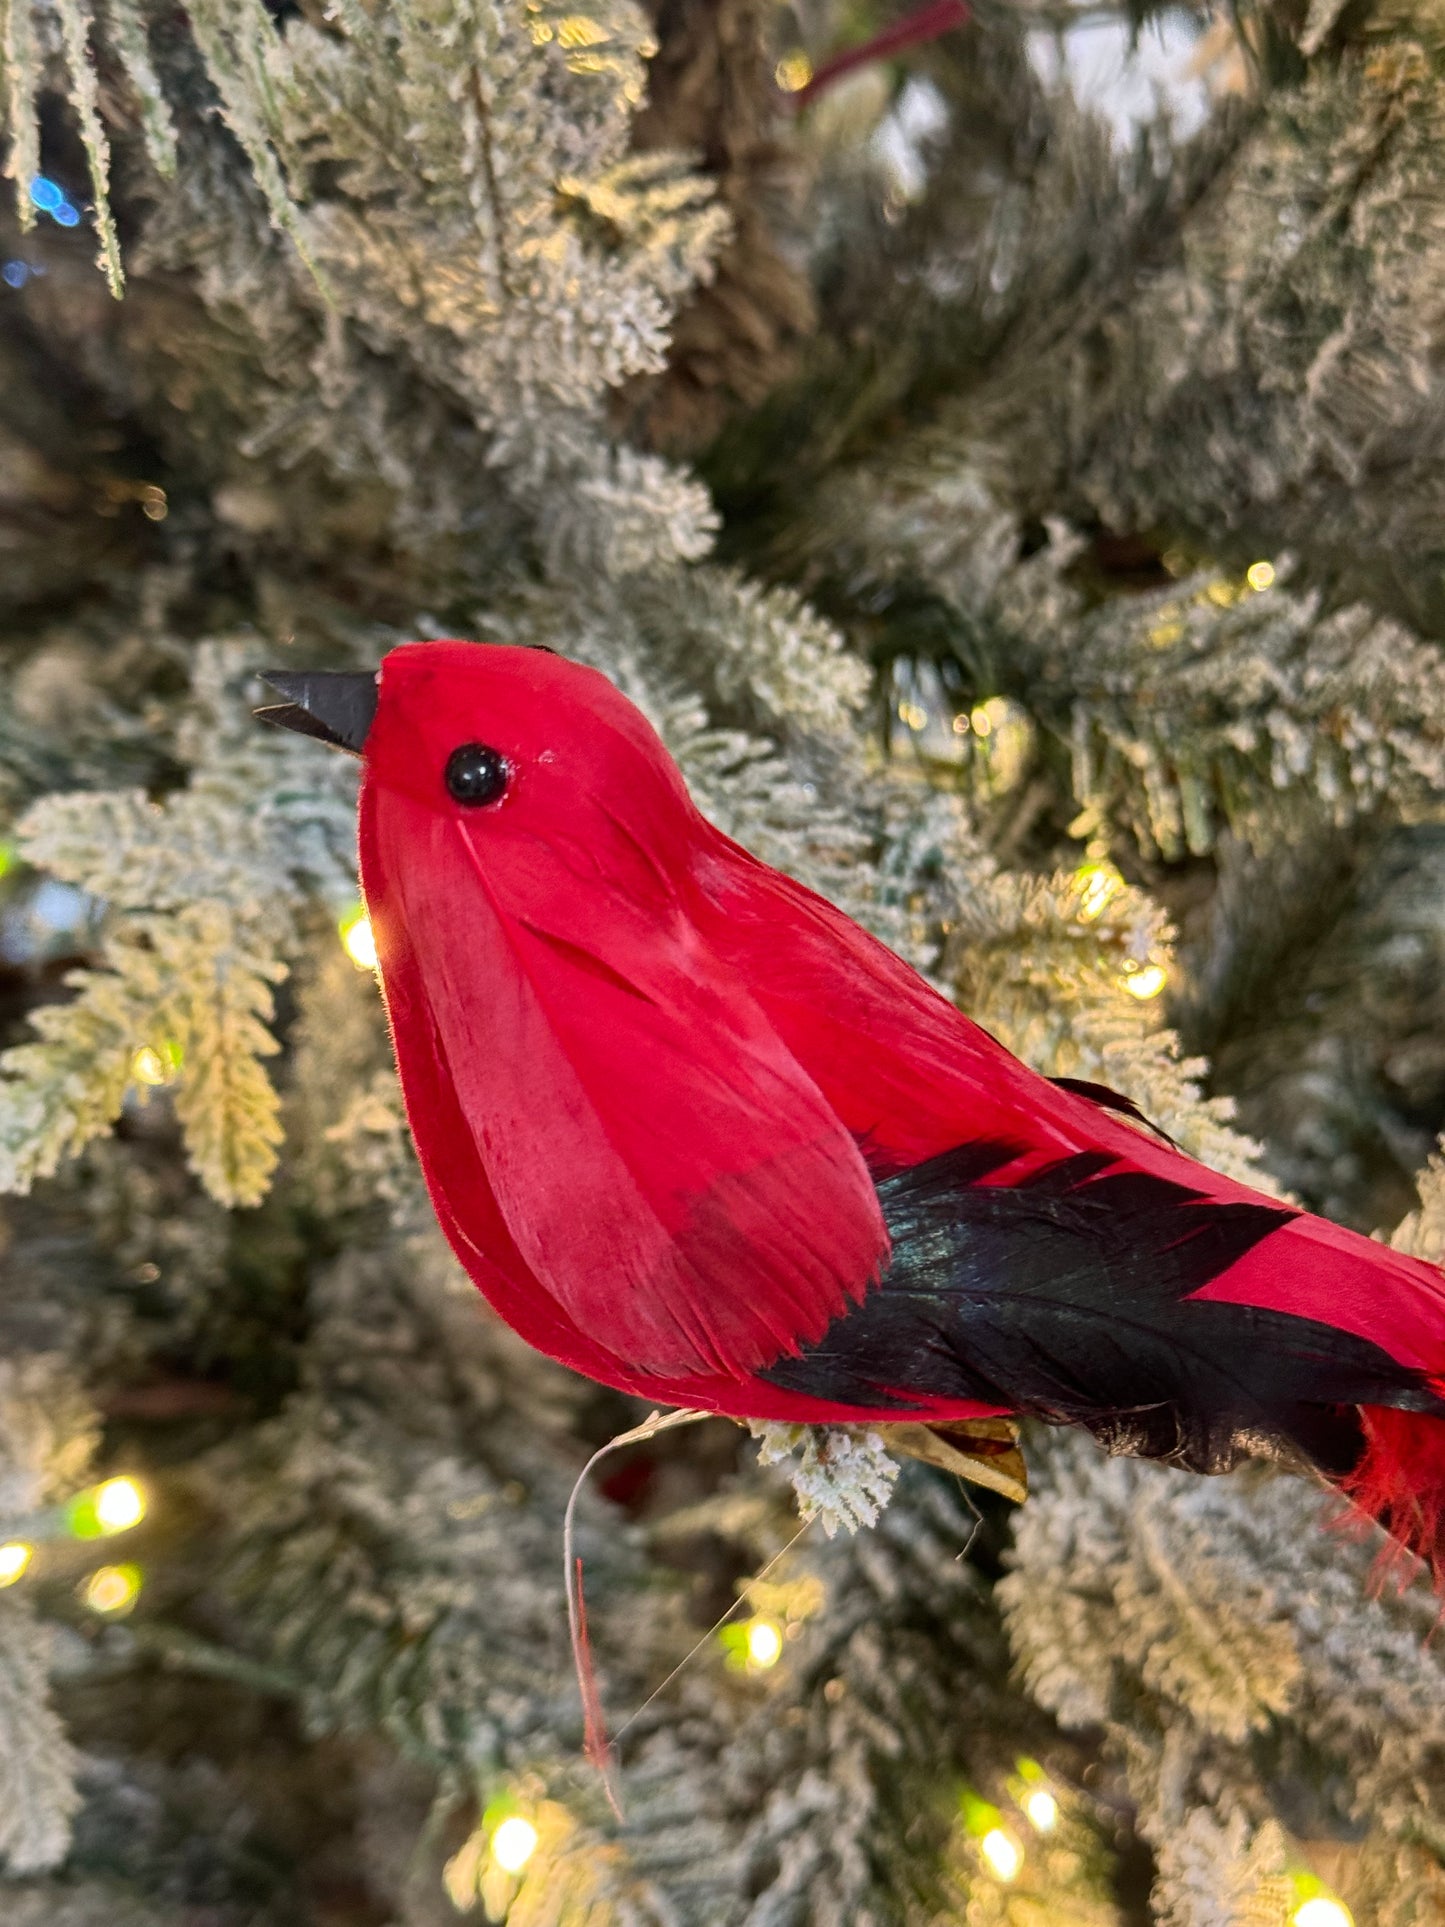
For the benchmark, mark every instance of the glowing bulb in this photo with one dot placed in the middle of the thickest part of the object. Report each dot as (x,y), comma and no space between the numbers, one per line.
(793,72)
(1146,983)
(514,1843)
(115,1506)
(148,1067)
(765,1643)
(1098,885)
(1322,1912)
(119,1505)
(1043,1810)
(1260,575)
(113,1589)
(14,1558)
(358,939)
(1002,1852)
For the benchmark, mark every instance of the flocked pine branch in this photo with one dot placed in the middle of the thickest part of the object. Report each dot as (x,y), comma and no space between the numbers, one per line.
(493,136)
(46,1438)
(202,894)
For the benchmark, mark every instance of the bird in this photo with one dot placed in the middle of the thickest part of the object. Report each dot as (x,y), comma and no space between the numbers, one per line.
(699,1136)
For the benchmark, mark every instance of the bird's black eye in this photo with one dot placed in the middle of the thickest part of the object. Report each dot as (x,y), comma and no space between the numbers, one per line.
(476,773)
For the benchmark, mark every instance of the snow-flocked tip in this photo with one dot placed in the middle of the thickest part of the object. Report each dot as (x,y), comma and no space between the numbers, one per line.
(335,706)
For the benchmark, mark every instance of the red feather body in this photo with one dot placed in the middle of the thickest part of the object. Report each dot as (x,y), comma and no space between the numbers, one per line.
(653,1083)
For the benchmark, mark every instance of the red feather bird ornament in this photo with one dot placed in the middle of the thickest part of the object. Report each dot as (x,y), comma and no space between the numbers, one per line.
(697,1135)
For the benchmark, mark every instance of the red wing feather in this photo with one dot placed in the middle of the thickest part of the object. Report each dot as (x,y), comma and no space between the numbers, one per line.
(665,1170)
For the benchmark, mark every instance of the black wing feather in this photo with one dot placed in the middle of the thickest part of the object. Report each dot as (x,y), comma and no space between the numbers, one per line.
(1067,1296)
(1111,1100)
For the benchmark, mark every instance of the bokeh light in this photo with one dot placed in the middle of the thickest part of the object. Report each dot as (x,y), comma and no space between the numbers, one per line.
(514,1843)
(765,1643)
(119,1505)
(1146,983)
(1002,1852)
(1098,885)
(358,939)
(1322,1910)
(15,1556)
(793,72)
(112,1590)
(1042,1810)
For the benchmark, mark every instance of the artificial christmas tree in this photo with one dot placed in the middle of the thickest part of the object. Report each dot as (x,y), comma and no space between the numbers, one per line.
(1023,535)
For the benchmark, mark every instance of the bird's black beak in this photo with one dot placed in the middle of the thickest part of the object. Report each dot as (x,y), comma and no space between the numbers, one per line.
(335,706)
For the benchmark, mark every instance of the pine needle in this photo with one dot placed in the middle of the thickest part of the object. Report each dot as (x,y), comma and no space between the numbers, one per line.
(22,92)
(131,39)
(241,85)
(75,24)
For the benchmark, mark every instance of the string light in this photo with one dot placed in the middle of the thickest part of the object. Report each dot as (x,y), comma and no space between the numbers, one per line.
(112,1590)
(14,1558)
(358,939)
(765,1643)
(1042,1809)
(113,1506)
(1003,1853)
(1260,575)
(793,72)
(1145,983)
(1098,885)
(514,1843)
(155,1068)
(997,1845)
(1322,1910)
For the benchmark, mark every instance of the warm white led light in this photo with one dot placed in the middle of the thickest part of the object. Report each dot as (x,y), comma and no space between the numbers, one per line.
(359,942)
(514,1843)
(119,1504)
(1321,1911)
(1043,1810)
(113,1589)
(765,1643)
(14,1558)
(1002,1852)
(1146,983)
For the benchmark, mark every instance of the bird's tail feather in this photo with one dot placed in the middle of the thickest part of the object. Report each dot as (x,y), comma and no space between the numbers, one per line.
(1400,1483)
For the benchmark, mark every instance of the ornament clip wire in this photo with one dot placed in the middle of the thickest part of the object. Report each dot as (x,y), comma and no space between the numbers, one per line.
(598,1746)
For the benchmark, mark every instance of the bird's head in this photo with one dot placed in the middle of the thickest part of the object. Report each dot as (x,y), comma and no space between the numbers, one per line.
(511,763)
